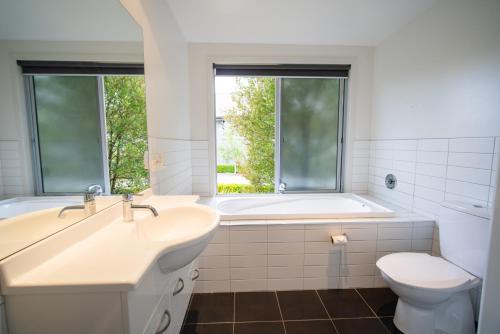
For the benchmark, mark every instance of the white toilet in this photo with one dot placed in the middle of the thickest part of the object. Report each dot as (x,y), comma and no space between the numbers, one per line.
(434,292)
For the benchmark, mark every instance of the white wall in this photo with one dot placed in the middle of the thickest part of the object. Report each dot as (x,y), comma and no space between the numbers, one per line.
(166,69)
(439,76)
(201,58)
(489,322)
(15,150)
(437,84)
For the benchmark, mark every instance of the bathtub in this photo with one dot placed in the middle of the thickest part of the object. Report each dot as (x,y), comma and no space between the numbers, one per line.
(309,206)
(21,205)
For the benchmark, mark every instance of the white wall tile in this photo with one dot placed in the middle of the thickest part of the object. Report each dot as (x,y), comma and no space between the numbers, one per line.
(472,190)
(433,145)
(249,285)
(286,235)
(286,260)
(248,261)
(218,274)
(393,245)
(321,283)
(396,233)
(472,175)
(248,273)
(429,194)
(321,271)
(472,145)
(431,182)
(431,170)
(473,160)
(217,261)
(243,248)
(286,284)
(211,286)
(286,248)
(285,272)
(437,158)
(357,270)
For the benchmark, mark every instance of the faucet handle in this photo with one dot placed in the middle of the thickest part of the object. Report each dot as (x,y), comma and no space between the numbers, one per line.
(127,197)
(88,197)
(95,189)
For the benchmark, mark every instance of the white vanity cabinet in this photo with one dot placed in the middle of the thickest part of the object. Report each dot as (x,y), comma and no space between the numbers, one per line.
(157,305)
(168,314)
(3,320)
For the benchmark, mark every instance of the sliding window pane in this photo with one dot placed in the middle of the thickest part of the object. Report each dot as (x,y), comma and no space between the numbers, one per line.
(69,132)
(309,117)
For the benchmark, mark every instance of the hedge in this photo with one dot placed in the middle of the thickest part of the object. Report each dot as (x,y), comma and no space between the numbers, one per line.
(225,169)
(233,188)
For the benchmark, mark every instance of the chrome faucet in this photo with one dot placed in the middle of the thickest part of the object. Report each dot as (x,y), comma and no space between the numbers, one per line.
(128,208)
(282,188)
(88,207)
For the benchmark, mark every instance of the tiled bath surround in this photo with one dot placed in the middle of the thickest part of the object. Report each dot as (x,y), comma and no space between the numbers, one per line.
(258,256)
(11,173)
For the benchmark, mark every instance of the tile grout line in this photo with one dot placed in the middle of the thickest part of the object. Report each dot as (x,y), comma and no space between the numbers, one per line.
(377,317)
(326,310)
(279,308)
(234,309)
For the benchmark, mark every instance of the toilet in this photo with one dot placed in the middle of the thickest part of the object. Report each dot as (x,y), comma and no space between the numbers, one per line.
(434,292)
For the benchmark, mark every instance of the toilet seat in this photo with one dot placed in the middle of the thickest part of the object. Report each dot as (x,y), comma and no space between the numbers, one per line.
(424,271)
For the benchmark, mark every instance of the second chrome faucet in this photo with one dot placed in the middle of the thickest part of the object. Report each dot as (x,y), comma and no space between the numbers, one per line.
(129,207)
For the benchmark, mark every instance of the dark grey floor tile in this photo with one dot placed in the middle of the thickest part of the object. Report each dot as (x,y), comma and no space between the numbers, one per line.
(360,326)
(312,326)
(211,307)
(300,305)
(259,328)
(382,300)
(389,324)
(257,306)
(208,329)
(344,303)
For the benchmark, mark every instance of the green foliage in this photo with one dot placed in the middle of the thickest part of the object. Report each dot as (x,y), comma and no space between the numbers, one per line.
(225,168)
(232,147)
(126,133)
(242,189)
(253,118)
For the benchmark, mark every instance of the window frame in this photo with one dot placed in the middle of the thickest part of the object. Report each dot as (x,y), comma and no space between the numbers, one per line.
(311,71)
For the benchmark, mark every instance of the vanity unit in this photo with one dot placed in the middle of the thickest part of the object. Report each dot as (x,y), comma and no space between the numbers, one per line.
(3,321)
(105,275)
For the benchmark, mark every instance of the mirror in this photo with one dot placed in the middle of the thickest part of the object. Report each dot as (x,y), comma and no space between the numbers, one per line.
(27,220)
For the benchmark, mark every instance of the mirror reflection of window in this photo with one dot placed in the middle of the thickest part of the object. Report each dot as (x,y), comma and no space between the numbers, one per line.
(88,129)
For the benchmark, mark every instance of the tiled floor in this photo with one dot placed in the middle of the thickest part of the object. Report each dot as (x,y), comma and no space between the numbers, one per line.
(347,311)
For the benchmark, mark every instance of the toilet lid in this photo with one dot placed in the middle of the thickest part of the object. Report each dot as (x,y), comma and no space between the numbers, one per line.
(423,271)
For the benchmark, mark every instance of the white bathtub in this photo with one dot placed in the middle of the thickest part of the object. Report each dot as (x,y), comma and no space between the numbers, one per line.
(21,205)
(311,206)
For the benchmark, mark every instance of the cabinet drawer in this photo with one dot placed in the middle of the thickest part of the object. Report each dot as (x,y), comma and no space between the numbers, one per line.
(169,315)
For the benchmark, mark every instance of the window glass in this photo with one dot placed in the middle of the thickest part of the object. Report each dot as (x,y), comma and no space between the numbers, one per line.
(69,132)
(309,132)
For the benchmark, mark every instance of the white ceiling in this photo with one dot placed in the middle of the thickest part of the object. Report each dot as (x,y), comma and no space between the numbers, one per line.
(341,22)
(71,20)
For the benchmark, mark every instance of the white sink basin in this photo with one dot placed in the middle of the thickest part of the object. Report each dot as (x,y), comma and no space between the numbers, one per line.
(188,228)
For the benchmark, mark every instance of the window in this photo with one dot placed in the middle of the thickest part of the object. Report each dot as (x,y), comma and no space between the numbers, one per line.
(88,125)
(279,128)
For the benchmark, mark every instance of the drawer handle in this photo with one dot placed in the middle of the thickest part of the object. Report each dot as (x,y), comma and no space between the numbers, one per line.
(176,292)
(196,275)
(161,329)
